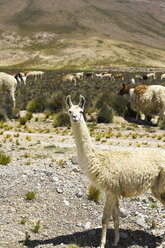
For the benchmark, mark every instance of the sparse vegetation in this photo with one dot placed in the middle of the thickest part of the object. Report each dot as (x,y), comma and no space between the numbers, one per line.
(94,194)
(61,119)
(35,105)
(36,227)
(105,114)
(3,116)
(27,239)
(23,221)
(4,159)
(22,120)
(30,195)
(73,246)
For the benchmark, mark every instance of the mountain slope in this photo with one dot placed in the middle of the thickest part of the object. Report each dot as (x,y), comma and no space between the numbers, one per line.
(39,29)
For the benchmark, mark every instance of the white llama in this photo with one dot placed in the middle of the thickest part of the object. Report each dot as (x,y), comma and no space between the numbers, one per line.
(119,173)
(8,84)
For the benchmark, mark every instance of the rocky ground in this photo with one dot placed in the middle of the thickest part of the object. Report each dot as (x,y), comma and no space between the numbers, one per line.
(43,161)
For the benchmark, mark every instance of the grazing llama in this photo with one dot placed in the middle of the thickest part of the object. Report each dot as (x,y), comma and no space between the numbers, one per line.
(8,84)
(69,78)
(146,98)
(119,173)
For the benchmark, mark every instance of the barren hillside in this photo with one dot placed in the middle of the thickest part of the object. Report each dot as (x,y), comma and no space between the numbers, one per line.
(82,33)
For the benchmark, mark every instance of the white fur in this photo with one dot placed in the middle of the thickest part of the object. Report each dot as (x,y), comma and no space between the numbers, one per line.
(119,173)
(35,74)
(79,75)
(152,99)
(8,84)
(163,76)
(132,80)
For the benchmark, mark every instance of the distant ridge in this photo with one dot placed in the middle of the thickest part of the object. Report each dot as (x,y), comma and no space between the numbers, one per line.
(78,34)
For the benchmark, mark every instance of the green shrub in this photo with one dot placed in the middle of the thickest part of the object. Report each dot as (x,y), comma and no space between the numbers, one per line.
(29,116)
(94,193)
(22,120)
(162,125)
(118,103)
(4,159)
(27,239)
(61,119)
(3,116)
(36,227)
(47,114)
(8,110)
(23,221)
(105,114)
(35,105)
(57,102)
(73,246)
(30,195)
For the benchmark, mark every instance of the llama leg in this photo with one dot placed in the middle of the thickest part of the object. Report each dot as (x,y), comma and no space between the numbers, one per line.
(12,98)
(108,208)
(161,115)
(137,115)
(115,215)
(74,80)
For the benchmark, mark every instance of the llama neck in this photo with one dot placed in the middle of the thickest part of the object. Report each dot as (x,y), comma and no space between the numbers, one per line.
(83,143)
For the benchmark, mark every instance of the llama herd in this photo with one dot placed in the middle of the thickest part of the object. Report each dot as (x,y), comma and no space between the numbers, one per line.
(118,173)
(143,97)
(8,82)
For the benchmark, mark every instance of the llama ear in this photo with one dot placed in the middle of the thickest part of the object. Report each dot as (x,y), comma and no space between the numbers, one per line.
(68,101)
(123,85)
(81,102)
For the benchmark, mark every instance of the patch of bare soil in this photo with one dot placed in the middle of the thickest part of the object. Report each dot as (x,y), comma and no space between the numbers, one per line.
(44,161)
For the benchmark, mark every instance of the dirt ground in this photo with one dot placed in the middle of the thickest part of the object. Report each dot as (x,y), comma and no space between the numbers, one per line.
(44,161)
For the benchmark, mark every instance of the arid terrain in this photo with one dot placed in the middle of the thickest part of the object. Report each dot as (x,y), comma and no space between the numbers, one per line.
(44,161)
(44,197)
(68,35)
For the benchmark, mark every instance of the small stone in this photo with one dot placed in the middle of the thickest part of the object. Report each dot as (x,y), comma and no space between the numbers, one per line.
(68,163)
(123,213)
(55,179)
(66,202)
(75,160)
(75,169)
(78,224)
(141,222)
(87,225)
(79,194)
(49,173)
(59,190)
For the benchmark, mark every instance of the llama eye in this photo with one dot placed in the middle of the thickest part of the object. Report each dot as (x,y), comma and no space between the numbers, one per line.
(81,112)
(70,111)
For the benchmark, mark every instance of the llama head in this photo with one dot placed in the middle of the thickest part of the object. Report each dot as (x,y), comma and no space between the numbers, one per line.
(76,111)
(124,90)
(20,77)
